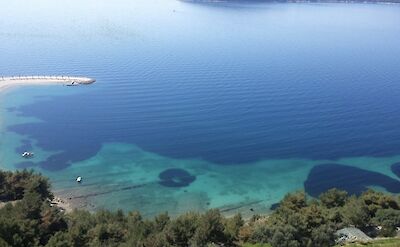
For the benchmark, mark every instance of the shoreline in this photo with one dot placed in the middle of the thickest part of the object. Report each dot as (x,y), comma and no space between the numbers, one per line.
(10,82)
(62,204)
(68,201)
(7,83)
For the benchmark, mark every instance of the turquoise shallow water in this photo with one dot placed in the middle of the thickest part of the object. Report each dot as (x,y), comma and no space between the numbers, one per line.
(246,98)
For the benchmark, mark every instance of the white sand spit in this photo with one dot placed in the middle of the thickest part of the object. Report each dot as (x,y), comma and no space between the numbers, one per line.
(13,81)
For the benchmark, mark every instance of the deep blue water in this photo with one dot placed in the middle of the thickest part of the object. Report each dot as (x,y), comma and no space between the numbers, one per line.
(316,88)
(230,84)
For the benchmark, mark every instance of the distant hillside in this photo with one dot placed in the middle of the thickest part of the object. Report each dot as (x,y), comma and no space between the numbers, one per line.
(293,1)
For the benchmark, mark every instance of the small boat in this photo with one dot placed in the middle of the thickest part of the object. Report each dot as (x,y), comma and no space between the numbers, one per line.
(27,154)
(79,179)
(73,83)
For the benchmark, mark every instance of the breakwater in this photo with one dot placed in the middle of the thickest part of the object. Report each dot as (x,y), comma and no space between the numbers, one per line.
(61,79)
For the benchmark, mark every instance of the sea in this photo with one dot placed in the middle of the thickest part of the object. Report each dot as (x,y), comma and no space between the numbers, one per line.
(227,105)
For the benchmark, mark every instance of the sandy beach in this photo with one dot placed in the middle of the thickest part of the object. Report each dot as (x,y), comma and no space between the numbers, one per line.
(63,204)
(59,202)
(11,82)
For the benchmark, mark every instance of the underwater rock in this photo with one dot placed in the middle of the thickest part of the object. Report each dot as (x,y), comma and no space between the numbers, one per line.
(175,177)
(274,206)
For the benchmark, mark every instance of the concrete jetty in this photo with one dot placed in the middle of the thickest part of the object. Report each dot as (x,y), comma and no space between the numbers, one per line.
(7,82)
(37,78)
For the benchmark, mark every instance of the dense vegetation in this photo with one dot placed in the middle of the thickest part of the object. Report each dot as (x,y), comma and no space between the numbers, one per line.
(298,221)
(302,222)
(391,242)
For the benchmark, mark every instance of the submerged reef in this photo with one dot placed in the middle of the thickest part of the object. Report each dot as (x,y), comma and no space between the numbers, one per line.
(351,179)
(175,177)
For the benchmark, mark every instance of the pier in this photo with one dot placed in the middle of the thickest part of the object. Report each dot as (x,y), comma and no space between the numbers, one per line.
(47,79)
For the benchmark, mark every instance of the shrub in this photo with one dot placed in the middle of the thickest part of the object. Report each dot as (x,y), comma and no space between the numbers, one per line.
(333,198)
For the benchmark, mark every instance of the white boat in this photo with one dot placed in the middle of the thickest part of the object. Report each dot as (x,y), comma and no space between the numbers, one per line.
(27,154)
